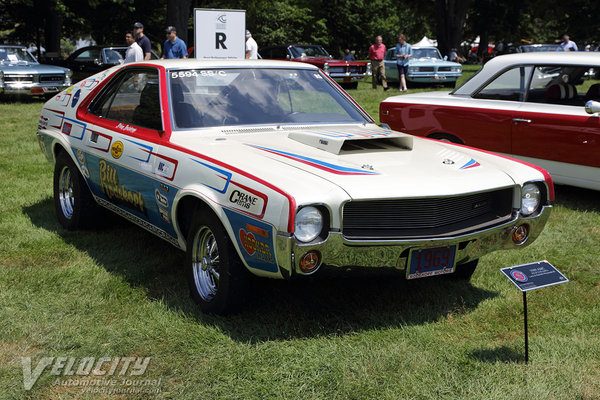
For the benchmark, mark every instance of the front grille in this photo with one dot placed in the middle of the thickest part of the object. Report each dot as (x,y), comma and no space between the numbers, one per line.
(425,69)
(426,217)
(18,78)
(337,70)
(357,69)
(445,69)
(51,78)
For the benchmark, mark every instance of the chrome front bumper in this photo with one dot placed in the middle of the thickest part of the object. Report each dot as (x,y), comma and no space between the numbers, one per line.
(338,251)
(33,89)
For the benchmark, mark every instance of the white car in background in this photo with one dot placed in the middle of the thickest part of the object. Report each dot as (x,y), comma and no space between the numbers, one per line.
(269,168)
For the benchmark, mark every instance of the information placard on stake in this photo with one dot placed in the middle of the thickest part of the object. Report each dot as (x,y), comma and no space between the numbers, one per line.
(532,276)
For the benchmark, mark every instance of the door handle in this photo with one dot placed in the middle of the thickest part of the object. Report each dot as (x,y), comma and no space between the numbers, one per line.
(517,120)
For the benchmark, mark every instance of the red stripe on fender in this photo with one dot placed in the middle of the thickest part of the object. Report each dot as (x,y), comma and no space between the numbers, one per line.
(547,176)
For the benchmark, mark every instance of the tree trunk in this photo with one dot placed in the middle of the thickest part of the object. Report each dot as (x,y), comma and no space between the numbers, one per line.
(52,28)
(450,16)
(178,14)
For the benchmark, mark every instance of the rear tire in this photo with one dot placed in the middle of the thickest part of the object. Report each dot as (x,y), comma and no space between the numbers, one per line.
(464,271)
(217,278)
(73,202)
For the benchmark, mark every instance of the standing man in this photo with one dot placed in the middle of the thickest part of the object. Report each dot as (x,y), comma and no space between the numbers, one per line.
(348,56)
(134,51)
(251,47)
(376,54)
(568,45)
(174,47)
(142,40)
(403,54)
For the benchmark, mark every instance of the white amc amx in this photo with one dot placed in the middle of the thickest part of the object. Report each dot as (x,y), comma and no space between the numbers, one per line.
(270,168)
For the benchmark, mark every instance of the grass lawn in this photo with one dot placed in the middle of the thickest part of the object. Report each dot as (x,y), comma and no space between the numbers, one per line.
(120,292)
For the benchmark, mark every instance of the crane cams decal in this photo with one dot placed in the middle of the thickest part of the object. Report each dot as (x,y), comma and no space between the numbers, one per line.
(109,184)
(246,201)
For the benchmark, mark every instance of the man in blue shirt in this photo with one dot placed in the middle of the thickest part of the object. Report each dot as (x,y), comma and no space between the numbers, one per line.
(174,47)
(403,54)
(348,56)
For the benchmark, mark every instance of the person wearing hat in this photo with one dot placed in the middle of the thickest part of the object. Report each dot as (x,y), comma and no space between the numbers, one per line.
(174,47)
(251,47)
(142,40)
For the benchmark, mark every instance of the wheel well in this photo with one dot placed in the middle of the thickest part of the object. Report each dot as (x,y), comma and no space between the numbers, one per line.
(57,150)
(186,207)
(446,136)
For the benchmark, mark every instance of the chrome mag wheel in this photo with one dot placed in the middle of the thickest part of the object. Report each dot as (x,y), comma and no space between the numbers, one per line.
(205,263)
(65,191)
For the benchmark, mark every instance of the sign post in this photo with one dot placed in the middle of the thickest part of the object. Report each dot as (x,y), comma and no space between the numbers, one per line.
(219,34)
(532,276)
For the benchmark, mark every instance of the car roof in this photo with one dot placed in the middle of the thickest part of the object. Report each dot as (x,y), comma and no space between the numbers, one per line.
(501,63)
(195,63)
(13,46)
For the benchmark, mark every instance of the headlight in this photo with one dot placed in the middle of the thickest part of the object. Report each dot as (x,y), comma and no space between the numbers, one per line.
(530,199)
(456,69)
(326,68)
(308,224)
(413,69)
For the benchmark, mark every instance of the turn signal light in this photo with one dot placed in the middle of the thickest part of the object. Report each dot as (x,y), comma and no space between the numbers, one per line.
(520,234)
(310,262)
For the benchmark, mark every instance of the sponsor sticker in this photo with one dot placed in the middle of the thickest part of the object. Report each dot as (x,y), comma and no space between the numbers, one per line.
(109,184)
(116,150)
(161,198)
(80,156)
(164,215)
(75,98)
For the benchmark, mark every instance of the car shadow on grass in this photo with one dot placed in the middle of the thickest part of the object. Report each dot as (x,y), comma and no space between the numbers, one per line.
(332,302)
(575,198)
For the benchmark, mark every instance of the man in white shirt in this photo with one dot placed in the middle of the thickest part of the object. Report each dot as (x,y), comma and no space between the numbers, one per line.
(568,45)
(134,52)
(251,47)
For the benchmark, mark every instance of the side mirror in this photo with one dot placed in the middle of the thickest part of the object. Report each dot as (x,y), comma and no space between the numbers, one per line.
(592,107)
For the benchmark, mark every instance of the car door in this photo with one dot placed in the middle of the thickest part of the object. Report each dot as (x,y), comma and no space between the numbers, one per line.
(489,124)
(391,70)
(85,63)
(122,149)
(552,124)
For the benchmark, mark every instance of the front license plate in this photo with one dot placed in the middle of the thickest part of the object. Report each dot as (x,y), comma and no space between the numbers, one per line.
(431,262)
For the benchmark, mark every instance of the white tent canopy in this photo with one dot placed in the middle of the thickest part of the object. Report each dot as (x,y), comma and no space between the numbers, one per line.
(426,42)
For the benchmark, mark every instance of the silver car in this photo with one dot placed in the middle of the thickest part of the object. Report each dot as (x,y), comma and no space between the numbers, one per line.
(22,74)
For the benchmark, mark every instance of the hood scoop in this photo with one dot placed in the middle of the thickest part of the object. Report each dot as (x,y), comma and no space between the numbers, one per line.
(347,141)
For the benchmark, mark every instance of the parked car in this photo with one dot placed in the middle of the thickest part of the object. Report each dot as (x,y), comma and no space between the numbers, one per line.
(267,167)
(425,66)
(22,74)
(347,73)
(90,60)
(529,48)
(531,106)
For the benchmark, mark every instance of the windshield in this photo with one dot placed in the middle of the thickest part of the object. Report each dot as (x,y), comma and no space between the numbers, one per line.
(544,47)
(15,54)
(308,51)
(426,53)
(244,96)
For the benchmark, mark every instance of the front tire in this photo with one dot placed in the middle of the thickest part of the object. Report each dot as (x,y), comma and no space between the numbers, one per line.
(74,204)
(216,276)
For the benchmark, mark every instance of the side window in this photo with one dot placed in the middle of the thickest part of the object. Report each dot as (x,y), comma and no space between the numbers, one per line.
(112,57)
(89,55)
(510,85)
(133,99)
(571,85)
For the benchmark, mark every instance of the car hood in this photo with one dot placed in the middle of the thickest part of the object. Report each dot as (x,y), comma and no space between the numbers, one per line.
(31,68)
(366,162)
(432,61)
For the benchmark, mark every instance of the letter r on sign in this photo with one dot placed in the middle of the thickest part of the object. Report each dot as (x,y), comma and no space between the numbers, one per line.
(220,38)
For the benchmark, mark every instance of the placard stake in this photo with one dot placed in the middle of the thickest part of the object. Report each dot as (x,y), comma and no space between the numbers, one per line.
(525,323)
